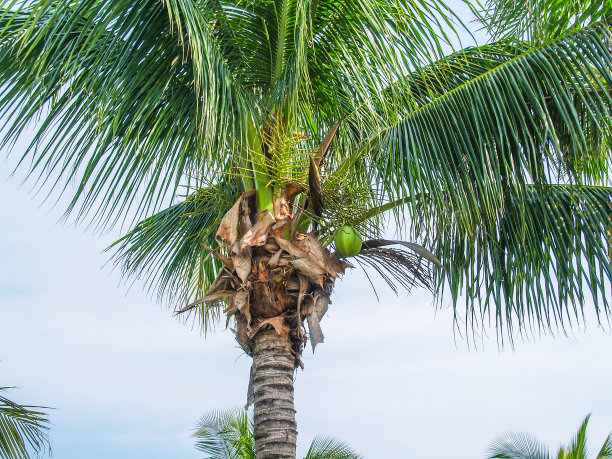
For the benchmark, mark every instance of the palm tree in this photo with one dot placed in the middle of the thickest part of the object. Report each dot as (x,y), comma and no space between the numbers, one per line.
(229,435)
(246,139)
(22,429)
(524,446)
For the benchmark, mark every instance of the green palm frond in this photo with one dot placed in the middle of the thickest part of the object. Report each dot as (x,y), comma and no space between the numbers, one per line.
(535,263)
(133,101)
(354,50)
(166,251)
(539,19)
(330,448)
(129,102)
(225,435)
(606,450)
(23,429)
(524,446)
(478,160)
(517,446)
(229,435)
(501,129)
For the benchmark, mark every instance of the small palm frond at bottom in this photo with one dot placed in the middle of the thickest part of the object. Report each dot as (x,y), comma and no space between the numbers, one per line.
(228,434)
(225,434)
(23,429)
(524,446)
(330,448)
(517,446)
(606,450)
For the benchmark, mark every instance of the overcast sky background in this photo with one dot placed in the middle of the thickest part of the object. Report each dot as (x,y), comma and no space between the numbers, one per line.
(393,379)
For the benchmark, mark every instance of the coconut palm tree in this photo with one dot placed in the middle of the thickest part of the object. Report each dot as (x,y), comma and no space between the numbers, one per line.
(524,446)
(254,144)
(229,435)
(23,429)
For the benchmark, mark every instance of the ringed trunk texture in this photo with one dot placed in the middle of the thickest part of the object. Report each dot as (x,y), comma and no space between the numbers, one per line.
(273,369)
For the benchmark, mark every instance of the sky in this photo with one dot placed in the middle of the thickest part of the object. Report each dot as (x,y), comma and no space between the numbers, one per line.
(393,379)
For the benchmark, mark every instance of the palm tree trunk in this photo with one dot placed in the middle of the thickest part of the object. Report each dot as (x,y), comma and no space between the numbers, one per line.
(273,369)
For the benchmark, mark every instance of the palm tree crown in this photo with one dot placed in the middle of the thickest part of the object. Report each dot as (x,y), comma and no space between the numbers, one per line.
(485,152)
(274,127)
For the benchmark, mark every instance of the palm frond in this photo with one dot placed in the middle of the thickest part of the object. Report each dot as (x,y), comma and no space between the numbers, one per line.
(578,446)
(166,251)
(517,446)
(397,268)
(132,101)
(330,448)
(606,450)
(23,429)
(534,264)
(356,49)
(465,147)
(479,160)
(225,435)
(541,19)
(228,434)
(524,446)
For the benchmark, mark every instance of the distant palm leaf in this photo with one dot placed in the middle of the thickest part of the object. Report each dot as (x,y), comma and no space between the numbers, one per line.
(22,429)
(229,435)
(524,446)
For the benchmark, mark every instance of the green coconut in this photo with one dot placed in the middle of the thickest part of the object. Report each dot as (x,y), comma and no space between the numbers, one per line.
(348,241)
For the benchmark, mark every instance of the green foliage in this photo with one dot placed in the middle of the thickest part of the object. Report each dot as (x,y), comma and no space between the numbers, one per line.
(524,446)
(22,429)
(229,435)
(540,19)
(127,113)
(481,158)
(225,435)
(496,157)
(166,251)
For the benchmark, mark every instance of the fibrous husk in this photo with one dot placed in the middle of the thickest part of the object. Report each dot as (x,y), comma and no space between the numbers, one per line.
(310,269)
(242,333)
(282,204)
(257,235)
(227,262)
(209,299)
(241,304)
(303,291)
(321,303)
(220,289)
(319,253)
(310,248)
(273,263)
(277,323)
(241,258)
(276,277)
(314,330)
(228,229)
